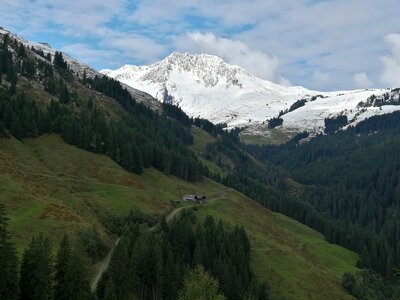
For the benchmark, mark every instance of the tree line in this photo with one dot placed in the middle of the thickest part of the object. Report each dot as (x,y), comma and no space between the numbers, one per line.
(176,113)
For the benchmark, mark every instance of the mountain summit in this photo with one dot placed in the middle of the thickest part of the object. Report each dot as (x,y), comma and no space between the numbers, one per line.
(206,86)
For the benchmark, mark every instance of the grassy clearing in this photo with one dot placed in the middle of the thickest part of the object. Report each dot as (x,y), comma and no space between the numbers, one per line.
(201,140)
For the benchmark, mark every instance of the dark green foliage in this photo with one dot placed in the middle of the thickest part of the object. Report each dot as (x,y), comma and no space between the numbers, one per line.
(140,139)
(274,122)
(352,180)
(297,104)
(158,260)
(389,98)
(62,270)
(209,127)
(39,281)
(334,124)
(8,261)
(367,285)
(154,140)
(20,117)
(379,123)
(92,244)
(7,63)
(269,151)
(59,61)
(176,113)
(36,278)
(77,284)
(294,106)
(58,88)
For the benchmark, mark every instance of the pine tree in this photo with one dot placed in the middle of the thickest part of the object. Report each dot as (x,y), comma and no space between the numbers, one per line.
(78,286)
(62,268)
(59,60)
(111,291)
(8,261)
(36,279)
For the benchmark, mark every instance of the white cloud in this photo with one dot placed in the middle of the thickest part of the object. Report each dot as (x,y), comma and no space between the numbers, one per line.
(337,37)
(234,52)
(361,80)
(321,77)
(135,47)
(85,53)
(391,64)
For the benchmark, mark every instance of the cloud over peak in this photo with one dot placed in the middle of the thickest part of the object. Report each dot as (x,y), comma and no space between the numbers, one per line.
(319,44)
(235,52)
(391,63)
(361,80)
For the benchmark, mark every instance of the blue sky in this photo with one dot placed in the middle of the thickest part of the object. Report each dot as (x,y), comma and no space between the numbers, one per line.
(322,45)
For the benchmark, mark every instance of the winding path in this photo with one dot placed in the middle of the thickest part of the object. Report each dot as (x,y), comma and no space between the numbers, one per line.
(103,267)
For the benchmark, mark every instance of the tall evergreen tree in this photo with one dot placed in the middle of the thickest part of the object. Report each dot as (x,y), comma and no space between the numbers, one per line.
(62,268)
(36,279)
(111,291)
(78,286)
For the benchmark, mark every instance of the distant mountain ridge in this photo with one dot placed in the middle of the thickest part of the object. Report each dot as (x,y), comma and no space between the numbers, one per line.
(206,86)
(79,67)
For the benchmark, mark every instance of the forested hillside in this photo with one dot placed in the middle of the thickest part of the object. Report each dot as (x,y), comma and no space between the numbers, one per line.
(138,139)
(350,180)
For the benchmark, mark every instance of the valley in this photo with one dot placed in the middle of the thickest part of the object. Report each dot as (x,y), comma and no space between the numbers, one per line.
(52,188)
(87,160)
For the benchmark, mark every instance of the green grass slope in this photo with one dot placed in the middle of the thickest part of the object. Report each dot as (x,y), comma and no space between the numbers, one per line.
(50,187)
(201,139)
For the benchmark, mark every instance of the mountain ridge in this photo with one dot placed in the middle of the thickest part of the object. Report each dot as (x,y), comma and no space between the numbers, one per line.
(79,67)
(206,86)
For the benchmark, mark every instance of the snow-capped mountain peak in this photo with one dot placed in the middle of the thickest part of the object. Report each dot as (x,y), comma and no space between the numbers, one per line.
(206,86)
(208,69)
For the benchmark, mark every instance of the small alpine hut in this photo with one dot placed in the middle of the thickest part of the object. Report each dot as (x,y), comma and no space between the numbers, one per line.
(195,199)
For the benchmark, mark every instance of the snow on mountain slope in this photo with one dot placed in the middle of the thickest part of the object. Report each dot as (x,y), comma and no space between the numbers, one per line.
(205,86)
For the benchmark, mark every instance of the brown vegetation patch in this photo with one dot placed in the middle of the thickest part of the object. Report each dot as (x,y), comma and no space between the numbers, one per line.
(110,176)
(60,213)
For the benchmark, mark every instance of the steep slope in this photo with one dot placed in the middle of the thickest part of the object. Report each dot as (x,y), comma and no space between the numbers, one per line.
(205,86)
(50,187)
(78,67)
